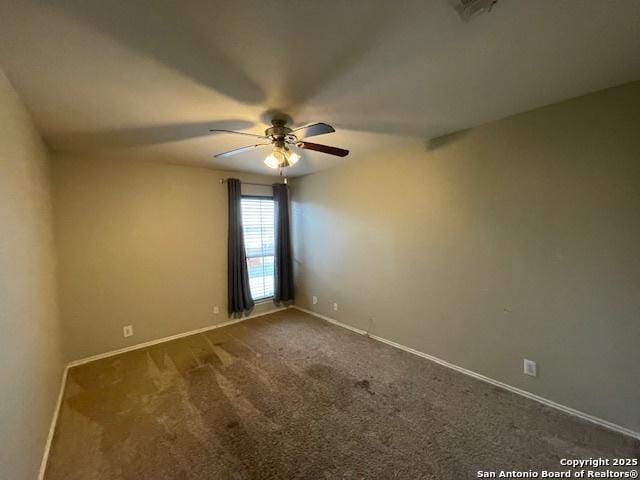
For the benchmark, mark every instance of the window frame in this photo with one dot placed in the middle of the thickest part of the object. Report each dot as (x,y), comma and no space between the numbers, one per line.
(259,197)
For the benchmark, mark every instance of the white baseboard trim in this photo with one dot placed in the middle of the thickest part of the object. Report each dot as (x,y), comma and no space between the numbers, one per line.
(52,427)
(518,391)
(331,320)
(82,361)
(137,346)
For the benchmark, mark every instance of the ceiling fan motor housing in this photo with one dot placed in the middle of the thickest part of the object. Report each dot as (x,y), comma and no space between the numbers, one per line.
(278,131)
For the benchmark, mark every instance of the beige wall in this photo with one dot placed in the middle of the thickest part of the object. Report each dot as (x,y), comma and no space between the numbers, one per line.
(517,239)
(140,244)
(30,356)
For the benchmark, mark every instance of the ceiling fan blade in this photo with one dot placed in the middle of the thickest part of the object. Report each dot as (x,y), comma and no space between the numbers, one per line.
(82,141)
(339,152)
(239,150)
(313,130)
(216,130)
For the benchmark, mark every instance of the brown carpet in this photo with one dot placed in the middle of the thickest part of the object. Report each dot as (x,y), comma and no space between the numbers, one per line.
(290,396)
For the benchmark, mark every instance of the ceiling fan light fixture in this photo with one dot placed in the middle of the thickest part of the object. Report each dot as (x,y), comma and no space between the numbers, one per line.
(293,158)
(281,157)
(271,161)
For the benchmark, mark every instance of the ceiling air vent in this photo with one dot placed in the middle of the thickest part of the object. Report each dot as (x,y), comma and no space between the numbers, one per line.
(469,9)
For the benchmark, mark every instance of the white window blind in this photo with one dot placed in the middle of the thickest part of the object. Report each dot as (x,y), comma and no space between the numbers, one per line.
(259,233)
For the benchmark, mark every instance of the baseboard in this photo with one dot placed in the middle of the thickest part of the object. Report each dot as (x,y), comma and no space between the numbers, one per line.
(52,427)
(82,361)
(137,346)
(331,320)
(563,408)
(518,391)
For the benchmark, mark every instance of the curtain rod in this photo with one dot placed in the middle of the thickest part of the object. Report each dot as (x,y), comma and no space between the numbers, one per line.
(224,180)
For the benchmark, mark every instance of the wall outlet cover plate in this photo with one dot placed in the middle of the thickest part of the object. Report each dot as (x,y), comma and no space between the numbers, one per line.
(530,368)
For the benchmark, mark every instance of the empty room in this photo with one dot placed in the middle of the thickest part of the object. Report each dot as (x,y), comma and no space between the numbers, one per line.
(340,239)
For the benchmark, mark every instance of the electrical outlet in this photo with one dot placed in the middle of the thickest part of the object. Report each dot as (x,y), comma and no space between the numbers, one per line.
(216,310)
(530,368)
(127,331)
(314,300)
(335,307)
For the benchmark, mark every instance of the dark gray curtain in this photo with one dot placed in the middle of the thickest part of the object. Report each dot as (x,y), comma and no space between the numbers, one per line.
(283,290)
(238,277)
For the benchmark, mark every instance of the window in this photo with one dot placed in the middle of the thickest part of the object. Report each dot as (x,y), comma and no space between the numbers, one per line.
(259,233)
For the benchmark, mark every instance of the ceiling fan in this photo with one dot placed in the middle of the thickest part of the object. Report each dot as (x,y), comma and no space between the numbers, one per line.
(281,138)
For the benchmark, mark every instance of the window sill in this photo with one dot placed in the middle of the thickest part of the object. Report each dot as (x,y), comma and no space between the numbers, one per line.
(263,300)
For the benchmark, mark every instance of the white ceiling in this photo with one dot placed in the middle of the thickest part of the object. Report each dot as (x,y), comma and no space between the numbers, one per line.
(146,79)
